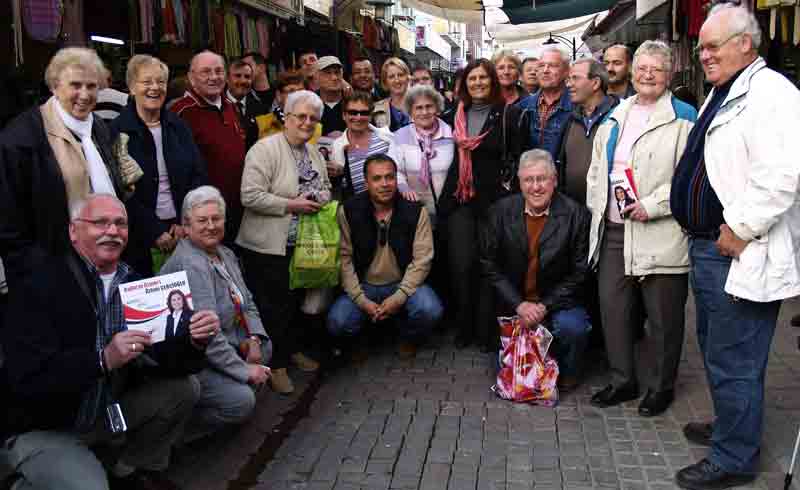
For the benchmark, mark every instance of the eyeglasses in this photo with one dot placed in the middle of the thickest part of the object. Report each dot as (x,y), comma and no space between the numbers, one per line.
(305,118)
(537,180)
(153,83)
(105,223)
(383,232)
(207,72)
(355,113)
(214,220)
(649,70)
(713,48)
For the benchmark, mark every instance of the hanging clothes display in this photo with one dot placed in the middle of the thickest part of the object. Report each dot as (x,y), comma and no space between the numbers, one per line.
(146,20)
(16,13)
(233,42)
(168,23)
(42,19)
(262,26)
(178,9)
(72,32)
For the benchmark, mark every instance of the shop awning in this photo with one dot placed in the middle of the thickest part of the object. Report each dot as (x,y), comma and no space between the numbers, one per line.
(506,33)
(523,11)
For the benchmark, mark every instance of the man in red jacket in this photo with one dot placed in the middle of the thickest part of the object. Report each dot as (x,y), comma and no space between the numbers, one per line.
(217,131)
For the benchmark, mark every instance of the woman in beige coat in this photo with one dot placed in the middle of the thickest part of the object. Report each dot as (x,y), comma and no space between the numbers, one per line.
(284,177)
(639,250)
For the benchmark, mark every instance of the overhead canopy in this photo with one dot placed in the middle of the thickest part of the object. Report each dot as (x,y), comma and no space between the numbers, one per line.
(523,12)
(506,33)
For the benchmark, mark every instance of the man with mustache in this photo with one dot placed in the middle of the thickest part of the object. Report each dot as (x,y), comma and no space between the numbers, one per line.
(218,132)
(386,252)
(618,59)
(70,363)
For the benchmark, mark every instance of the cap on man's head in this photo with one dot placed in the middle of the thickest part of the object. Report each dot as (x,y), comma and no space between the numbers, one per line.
(327,62)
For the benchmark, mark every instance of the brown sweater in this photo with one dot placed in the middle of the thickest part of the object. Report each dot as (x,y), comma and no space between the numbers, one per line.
(535,226)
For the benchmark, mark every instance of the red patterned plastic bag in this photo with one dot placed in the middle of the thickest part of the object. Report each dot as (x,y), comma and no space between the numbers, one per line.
(527,373)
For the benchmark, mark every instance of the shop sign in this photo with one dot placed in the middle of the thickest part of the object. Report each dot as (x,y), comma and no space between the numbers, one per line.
(285,9)
(429,39)
(406,37)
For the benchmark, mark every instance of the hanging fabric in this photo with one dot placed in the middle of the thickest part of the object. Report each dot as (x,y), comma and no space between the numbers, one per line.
(43,19)
(233,43)
(180,21)
(72,32)
(146,20)
(169,26)
(263,36)
(16,12)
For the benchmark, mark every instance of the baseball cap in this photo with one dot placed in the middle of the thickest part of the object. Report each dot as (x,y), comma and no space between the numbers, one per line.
(328,61)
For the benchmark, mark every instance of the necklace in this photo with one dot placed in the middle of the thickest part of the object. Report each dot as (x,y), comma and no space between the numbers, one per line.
(294,155)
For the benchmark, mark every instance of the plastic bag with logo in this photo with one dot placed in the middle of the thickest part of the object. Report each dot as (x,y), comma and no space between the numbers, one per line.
(527,373)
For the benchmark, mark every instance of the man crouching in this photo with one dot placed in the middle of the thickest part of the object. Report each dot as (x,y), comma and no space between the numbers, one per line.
(72,367)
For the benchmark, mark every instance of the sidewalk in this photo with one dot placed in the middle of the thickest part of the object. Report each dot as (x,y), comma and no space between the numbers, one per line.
(432,424)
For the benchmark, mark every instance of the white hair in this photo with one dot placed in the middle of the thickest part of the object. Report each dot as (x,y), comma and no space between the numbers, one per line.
(550,48)
(422,91)
(82,58)
(535,157)
(205,194)
(77,208)
(140,61)
(303,97)
(741,21)
(654,48)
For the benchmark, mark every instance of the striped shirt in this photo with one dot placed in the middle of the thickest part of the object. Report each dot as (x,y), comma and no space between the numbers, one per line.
(356,159)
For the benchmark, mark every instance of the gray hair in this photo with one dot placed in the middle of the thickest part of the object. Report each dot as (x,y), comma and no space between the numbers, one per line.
(206,51)
(303,97)
(550,48)
(422,91)
(596,70)
(741,20)
(654,48)
(506,53)
(76,208)
(82,58)
(140,61)
(205,194)
(537,156)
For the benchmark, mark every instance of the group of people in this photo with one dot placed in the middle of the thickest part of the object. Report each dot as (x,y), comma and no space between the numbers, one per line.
(502,200)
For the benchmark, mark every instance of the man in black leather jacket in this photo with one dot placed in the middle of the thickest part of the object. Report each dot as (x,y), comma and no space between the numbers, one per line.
(534,254)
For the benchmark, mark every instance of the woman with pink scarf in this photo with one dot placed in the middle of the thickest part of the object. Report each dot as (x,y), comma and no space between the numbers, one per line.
(489,137)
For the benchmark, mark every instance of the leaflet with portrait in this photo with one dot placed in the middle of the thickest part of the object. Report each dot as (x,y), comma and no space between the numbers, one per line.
(160,306)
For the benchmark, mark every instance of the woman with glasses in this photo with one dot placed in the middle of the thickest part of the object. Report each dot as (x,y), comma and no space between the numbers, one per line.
(272,123)
(640,252)
(284,177)
(389,112)
(358,142)
(163,146)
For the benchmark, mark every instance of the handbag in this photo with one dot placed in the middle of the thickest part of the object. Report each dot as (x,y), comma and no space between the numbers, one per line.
(315,261)
(508,172)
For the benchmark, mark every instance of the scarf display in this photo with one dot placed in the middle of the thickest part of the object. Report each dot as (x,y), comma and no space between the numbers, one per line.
(465,189)
(98,173)
(425,139)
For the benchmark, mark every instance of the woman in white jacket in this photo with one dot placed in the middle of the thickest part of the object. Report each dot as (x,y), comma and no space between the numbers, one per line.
(641,253)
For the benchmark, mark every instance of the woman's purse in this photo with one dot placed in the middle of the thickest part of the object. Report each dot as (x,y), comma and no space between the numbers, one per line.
(509,162)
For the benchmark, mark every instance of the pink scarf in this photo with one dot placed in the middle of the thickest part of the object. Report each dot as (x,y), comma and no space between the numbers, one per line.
(465,190)
(425,139)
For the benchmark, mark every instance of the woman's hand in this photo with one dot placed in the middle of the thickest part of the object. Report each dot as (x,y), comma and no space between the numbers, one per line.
(302,205)
(636,212)
(166,242)
(410,196)
(335,169)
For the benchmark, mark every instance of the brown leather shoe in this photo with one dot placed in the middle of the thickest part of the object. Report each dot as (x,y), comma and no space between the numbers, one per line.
(143,480)
(304,362)
(281,382)
(407,350)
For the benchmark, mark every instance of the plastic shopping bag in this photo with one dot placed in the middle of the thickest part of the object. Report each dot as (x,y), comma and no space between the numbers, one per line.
(315,262)
(527,373)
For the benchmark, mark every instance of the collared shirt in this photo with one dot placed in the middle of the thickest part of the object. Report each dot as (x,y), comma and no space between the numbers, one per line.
(546,110)
(241,104)
(534,214)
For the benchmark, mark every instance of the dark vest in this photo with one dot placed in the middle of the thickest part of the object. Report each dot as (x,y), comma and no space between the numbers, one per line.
(359,211)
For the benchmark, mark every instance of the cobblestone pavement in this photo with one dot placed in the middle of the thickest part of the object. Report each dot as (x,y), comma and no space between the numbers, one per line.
(432,424)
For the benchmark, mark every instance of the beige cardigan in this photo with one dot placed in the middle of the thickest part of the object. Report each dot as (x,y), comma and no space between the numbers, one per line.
(269,181)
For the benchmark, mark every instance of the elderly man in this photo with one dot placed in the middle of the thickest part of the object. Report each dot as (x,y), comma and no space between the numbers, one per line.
(530,80)
(735,194)
(362,77)
(618,60)
(550,106)
(587,84)
(239,92)
(534,254)
(71,364)
(387,252)
(331,91)
(217,130)
(262,93)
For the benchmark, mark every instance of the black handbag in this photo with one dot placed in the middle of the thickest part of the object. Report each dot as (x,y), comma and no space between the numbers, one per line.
(508,173)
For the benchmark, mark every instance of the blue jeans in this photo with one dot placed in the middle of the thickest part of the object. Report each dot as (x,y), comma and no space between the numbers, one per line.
(734,336)
(419,315)
(570,329)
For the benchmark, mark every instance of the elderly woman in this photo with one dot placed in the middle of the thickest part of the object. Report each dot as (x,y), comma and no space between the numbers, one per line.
(509,67)
(389,112)
(53,156)
(272,123)
(489,139)
(163,146)
(423,150)
(284,177)
(358,142)
(236,360)
(641,253)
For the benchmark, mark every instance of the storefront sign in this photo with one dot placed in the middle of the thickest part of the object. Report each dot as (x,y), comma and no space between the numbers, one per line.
(285,9)
(406,37)
(429,39)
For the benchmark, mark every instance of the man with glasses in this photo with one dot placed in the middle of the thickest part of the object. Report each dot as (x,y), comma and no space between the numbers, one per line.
(386,252)
(735,194)
(534,254)
(618,60)
(218,132)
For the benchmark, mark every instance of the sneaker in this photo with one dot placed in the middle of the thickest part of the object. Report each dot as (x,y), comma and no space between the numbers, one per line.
(281,382)
(407,350)
(304,362)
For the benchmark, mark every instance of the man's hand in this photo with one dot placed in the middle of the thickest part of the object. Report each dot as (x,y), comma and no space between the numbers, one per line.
(257,374)
(301,205)
(390,307)
(203,326)
(635,211)
(530,313)
(347,89)
(729,244)
(125,347)
(335,169)
(178,232)
(371,308)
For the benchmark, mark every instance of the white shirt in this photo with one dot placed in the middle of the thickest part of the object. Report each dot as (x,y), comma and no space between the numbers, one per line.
(165,207)
(107,278)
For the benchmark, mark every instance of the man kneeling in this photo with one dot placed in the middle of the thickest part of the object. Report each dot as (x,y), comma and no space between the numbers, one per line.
(534,254)
(386,255)
(70,360)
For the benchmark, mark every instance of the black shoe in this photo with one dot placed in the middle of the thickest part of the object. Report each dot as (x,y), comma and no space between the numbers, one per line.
(610,396)
(698,432)
(705,475)
(655,402)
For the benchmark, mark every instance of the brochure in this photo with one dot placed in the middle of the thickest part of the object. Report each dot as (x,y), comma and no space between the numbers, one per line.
(624,191)
(160,306)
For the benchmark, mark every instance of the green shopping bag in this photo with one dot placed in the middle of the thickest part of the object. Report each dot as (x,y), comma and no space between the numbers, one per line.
(315,262)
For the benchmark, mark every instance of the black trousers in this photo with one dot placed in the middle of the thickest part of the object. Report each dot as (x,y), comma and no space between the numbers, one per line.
(472,297)
(267,276)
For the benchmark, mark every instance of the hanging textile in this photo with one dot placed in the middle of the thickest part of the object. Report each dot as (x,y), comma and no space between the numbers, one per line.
(263,36)
(253,35)
(72,24)
(146,20)
(180,21)
(16,12)
(232,39)
(200,31)
(168,24)
(42,20)
(218,30)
